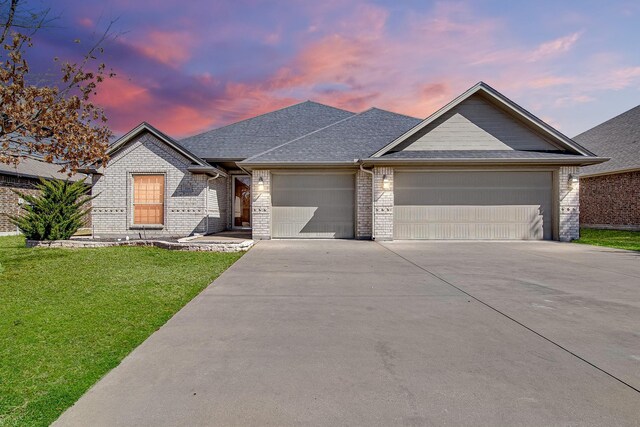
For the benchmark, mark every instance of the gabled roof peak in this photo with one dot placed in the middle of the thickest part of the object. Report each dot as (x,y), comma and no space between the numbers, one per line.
(504,102)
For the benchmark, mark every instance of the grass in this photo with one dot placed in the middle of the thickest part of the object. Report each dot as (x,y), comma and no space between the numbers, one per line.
(610,238)
(68,316)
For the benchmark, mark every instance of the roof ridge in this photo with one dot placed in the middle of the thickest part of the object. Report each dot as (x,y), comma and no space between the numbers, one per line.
(264,114)
(305,135)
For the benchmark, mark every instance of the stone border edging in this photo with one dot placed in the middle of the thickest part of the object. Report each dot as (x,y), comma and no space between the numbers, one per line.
(200,247)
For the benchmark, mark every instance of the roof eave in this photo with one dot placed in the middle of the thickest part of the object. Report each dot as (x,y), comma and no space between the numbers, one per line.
(208,170)
(475,161)
(610,172)
(294,165)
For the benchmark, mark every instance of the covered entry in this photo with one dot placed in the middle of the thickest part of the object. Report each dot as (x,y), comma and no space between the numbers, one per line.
(318,205)
(473,205)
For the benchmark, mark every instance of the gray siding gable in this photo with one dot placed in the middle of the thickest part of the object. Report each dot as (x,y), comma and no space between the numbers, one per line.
(476,124)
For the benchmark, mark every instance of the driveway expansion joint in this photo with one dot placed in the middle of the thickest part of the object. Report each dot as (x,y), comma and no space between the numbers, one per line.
(436,276)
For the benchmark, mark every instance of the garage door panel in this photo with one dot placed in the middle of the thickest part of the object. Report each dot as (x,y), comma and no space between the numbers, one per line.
(313,206)
(473,205)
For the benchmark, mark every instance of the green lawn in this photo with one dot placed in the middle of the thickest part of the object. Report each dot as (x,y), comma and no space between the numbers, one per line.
(611,238)
(68,316)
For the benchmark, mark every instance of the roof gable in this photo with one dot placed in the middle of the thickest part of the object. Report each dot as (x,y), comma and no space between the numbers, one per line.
(618,139)
(199,164)
(468,114)
(255,135)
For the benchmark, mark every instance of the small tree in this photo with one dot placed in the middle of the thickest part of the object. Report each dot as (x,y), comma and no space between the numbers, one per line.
(57,122)
(56,213)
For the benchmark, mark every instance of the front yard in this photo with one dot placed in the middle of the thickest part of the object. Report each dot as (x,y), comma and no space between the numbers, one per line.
(69,316)
(610,238)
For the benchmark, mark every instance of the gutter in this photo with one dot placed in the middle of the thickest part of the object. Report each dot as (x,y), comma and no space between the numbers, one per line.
(471,161)
(293,165)
(206,169)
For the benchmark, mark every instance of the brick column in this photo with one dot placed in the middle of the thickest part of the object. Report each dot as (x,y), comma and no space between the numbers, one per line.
(569,227)
(363,197)
(383,204)
(261,205)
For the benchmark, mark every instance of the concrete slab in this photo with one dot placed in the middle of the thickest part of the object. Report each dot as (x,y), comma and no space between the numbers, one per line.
(585,298)
(350,333)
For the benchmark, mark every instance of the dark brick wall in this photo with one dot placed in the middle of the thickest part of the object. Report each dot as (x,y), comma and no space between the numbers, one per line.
(9,200)
(611,200)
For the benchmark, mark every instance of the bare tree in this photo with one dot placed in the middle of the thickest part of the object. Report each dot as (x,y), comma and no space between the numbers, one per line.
(57,122)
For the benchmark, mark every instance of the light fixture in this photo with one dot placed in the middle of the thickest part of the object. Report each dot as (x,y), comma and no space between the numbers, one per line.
(386,183)
(260,184)
(573,179)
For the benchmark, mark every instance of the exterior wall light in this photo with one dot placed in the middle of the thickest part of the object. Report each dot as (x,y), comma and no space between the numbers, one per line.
(573,179)
(386,183)
(260,184)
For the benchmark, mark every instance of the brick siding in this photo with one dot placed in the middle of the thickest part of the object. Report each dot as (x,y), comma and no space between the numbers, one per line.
(261,205)
(383,204)
(185,193)
(569,203)
(9,200)
(611,201)
(363,207)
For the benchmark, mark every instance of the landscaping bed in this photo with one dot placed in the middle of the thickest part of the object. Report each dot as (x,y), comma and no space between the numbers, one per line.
(611,238)
(67,317)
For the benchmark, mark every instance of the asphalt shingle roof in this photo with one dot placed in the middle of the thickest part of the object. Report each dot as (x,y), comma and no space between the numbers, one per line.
(34,168)
(356,137)
(258,134)
(618,139)
(478,154)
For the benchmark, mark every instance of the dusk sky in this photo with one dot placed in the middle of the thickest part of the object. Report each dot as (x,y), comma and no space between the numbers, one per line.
(188,66)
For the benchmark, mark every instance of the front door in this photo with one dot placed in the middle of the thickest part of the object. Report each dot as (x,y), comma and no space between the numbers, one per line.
(242,202)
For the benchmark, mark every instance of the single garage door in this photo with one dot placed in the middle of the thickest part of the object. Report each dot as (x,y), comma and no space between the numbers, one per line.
(473,205)
(313,206)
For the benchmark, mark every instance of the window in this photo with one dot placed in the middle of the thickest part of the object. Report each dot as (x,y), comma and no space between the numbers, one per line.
(148,199)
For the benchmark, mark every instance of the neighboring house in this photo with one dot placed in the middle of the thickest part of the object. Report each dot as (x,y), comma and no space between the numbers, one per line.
(23,177)
(610,192)
(479,168)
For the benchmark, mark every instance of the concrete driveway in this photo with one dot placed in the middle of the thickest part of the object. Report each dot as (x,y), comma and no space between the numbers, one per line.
(362,333)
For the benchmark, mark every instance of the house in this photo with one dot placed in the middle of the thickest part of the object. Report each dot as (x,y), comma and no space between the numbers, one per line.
(481,167)
(23,177)
(610,192)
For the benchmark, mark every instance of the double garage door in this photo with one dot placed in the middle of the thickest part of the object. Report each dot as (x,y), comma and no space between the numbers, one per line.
(473,205)
(428,205)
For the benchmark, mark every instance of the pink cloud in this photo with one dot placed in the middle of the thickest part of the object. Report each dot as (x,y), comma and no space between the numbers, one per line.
(566,101)
(348,54)
(555,47)
(548,81)
(127,104)
(172,48)
(86,22)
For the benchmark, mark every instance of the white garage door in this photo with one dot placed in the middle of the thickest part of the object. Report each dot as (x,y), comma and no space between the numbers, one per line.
(313,206)
(473,205)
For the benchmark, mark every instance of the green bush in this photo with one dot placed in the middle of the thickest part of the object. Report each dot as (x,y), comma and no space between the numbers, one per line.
(56,213)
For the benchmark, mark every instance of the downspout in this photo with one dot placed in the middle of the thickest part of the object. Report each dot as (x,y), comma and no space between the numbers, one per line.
(206,200)
(373,195)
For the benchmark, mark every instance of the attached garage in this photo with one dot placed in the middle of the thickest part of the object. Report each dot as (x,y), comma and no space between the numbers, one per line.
(314,205)
(473,205)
